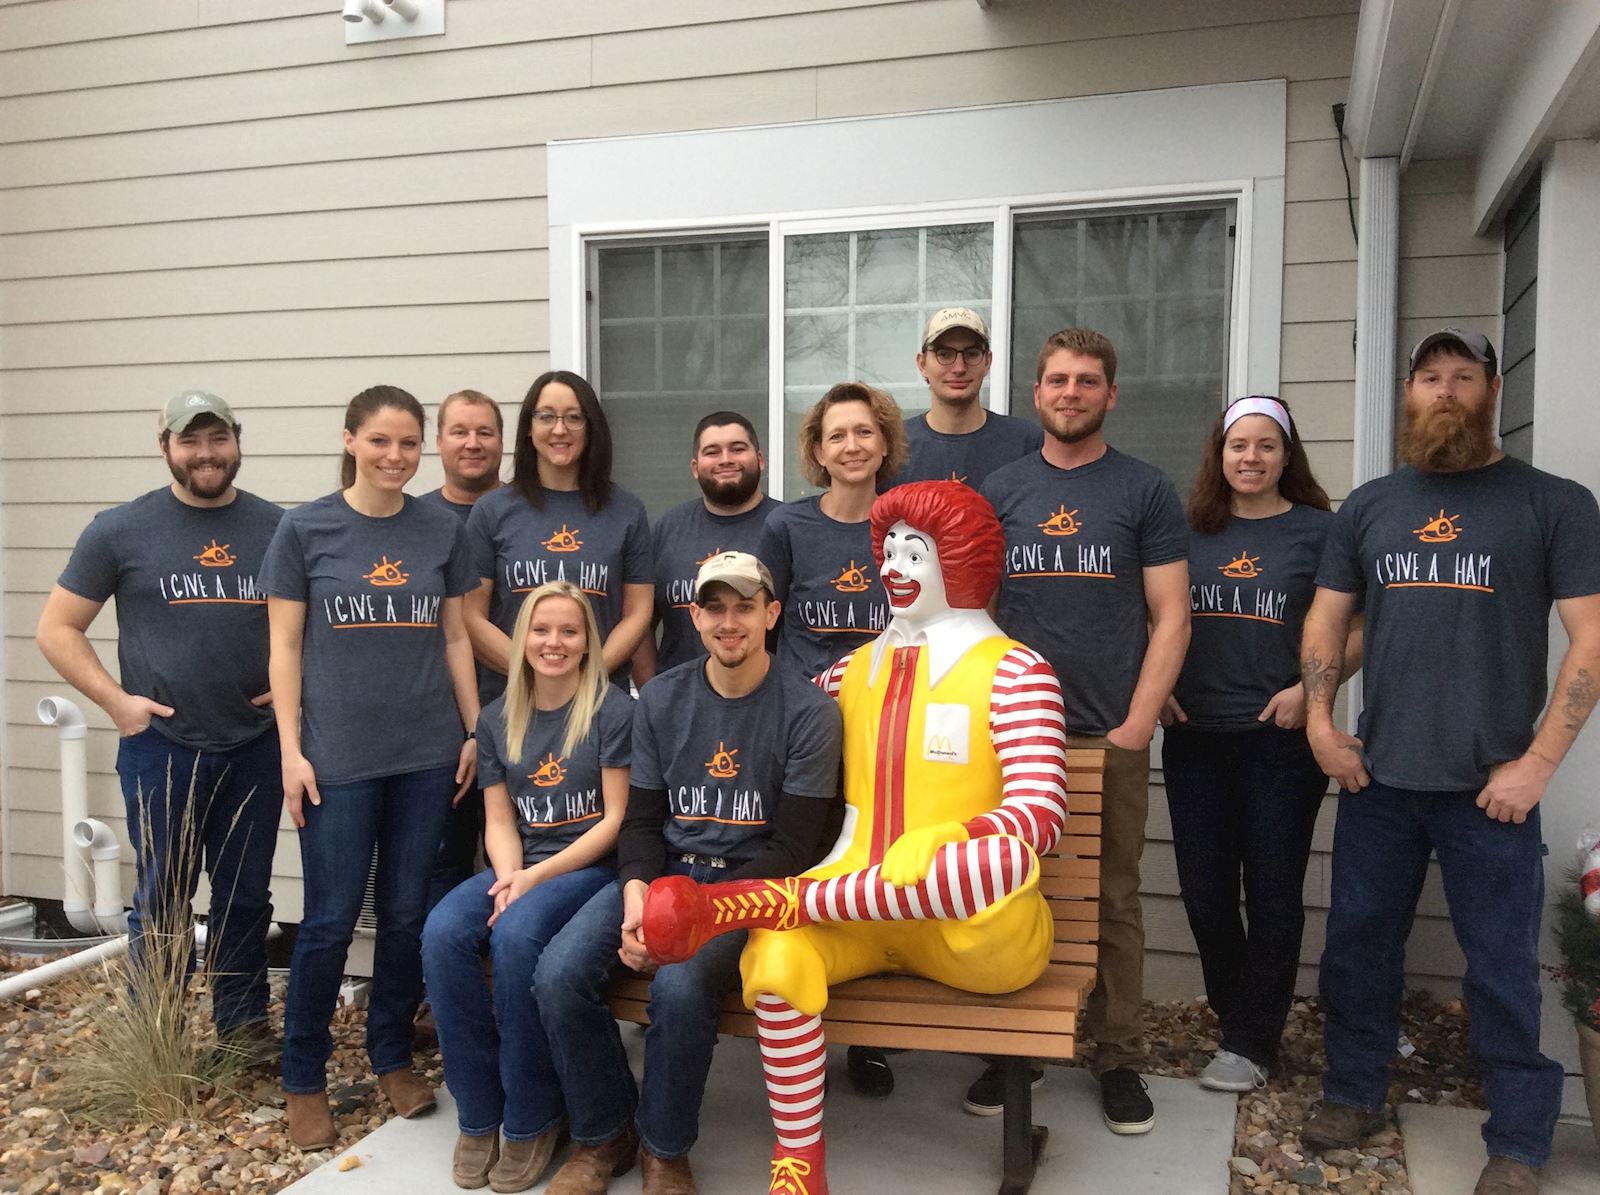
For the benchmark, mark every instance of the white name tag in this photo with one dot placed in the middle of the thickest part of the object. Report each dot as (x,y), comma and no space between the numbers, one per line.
(944,733)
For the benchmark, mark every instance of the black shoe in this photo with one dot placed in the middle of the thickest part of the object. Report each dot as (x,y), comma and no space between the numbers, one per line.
(986,1096)
(869,1071)
(1124,1104)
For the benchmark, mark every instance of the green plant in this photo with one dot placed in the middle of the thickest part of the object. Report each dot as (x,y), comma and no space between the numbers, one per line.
(1577,934)
(152,1055)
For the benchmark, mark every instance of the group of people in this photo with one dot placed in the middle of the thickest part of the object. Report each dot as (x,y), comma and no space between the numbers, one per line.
(421,680)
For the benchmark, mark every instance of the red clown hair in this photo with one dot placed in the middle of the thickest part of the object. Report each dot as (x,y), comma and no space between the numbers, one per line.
(965,531)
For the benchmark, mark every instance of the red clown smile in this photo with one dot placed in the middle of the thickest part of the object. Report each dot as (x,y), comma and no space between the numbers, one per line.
(902,592)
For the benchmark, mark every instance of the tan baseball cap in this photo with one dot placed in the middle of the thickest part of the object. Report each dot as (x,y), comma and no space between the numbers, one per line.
(183,409)
(944,320)
(739,571)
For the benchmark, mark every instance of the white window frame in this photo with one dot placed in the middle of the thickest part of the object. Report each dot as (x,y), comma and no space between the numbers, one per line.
(1180,145)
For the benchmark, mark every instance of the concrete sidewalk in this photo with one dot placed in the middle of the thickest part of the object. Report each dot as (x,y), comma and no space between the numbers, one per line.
(917,1141)
(1444,1153)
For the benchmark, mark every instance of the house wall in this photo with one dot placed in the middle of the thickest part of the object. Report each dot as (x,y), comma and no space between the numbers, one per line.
(202,193)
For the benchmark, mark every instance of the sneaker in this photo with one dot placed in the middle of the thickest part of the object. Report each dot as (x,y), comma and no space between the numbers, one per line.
(1232,1072)
(1124,1104)
(987,1095)
(1339,1126)
(1503,1176)
(869,1071)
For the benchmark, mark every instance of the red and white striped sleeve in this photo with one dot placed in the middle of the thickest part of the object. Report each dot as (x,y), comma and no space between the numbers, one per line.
(830,680)
(1027,725)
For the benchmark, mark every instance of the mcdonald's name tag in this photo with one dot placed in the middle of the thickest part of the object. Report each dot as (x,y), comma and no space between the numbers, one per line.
(944,734)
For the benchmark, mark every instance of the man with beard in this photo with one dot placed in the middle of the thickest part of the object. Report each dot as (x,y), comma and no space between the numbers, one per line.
(1457,557)
(470,443)
(727,517)
(957,439)
(1097,582)
(198,760)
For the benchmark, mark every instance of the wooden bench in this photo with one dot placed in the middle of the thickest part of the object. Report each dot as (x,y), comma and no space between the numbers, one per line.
(1041,1021)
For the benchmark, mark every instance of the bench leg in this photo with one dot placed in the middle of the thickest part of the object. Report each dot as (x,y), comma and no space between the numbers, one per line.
(1023,1141)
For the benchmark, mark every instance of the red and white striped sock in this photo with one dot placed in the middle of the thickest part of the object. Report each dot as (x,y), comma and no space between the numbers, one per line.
(794,1058)
(966,878)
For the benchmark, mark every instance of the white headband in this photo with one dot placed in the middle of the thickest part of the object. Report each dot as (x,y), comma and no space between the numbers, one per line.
(1258,404)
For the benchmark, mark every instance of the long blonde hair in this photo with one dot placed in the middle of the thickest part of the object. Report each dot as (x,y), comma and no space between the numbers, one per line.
(520,677)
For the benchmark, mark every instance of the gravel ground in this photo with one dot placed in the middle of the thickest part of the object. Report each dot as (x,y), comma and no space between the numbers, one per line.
(239,1142)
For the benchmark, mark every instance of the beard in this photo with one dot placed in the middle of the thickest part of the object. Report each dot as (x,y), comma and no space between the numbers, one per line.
(732,493)
(181,475)
(1447,439)
(1077,433)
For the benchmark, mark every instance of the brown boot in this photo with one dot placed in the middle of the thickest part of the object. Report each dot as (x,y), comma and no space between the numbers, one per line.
(666,1176)
(591,1168)
(407,1092)
(1502,1176)
(310,1121)
(522,1163)
(473,1159)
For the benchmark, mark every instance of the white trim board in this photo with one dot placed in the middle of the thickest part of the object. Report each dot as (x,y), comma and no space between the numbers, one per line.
(1226,140)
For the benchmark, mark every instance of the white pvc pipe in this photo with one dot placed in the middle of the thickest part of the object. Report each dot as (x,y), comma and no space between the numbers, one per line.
(68,720)
(404,8)
(105,852)
(17,985)
(356,11)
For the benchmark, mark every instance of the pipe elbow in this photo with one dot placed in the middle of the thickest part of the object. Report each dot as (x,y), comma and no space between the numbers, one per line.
(64,715)
(93,835)
(82,920)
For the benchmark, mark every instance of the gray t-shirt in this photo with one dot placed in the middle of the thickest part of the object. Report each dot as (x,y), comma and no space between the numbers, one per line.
(376,697)
(557,797)
(1072,589)
(725,762)
(521,547)
(191,617)
(1458,571)
(833,599)
(460,509)
(490,683)
(1250,586)
(969,458)
(684,537)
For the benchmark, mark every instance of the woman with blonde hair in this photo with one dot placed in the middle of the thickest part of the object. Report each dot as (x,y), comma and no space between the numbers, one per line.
(819,549)
(553,755)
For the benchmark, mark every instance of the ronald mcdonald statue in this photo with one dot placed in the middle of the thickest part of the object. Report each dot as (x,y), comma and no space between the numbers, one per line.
(954,783)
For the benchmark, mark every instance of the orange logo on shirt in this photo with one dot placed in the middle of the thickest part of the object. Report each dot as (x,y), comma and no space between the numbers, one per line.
(851,580)
(563,541)
(1440,529)
(1241,567)
(385,573)
(721,765)
(1063,522)
(711,555)
(953,477)
(215,555)
(550,772)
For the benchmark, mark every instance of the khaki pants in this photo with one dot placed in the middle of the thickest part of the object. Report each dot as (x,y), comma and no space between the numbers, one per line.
(1114,1018)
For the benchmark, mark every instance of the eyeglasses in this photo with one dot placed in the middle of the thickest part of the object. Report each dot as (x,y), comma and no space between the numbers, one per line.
(574,420)
(972,355)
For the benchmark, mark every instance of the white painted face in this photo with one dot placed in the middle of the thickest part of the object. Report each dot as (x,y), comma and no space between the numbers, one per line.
(911,574)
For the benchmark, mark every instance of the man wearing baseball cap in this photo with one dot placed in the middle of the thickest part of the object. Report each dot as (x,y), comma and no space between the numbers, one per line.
(1457,557)
(957,439)
(198,758)
(735,773)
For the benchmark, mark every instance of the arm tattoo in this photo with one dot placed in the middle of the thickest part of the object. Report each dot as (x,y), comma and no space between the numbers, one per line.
(1582,693)
(1320,677)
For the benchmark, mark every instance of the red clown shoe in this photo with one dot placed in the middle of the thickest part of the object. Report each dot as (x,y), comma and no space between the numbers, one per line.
(680,916)
(800,1171)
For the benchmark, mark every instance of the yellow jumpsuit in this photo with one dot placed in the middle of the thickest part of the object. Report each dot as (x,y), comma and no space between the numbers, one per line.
(903,743)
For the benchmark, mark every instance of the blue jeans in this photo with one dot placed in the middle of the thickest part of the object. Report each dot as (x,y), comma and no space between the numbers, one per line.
(1494,882)
(220,810)
(458,848)
(496,1061)
(570,984)
(1243,806)
(403,817)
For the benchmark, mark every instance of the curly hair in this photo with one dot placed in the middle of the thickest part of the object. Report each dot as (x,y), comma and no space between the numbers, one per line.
(885,412)
(965,530)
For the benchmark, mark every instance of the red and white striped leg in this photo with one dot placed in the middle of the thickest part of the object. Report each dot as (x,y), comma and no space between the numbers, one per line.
(794,1058)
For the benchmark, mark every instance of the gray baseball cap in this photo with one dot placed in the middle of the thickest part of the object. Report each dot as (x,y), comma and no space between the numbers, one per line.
(1475,344)
(183,409)
(739,571)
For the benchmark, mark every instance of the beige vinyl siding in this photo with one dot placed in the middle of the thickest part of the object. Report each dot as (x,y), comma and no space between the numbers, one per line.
(197,192)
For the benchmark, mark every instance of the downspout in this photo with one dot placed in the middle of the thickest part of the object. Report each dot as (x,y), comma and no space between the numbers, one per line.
(105,852)
(1377,323)
(68,719)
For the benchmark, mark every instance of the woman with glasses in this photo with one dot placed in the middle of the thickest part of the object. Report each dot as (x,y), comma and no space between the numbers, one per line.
(561,519)
(1242,785)
(819,549)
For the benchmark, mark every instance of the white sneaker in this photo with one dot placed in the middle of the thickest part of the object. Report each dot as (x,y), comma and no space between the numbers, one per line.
(1232,1072)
